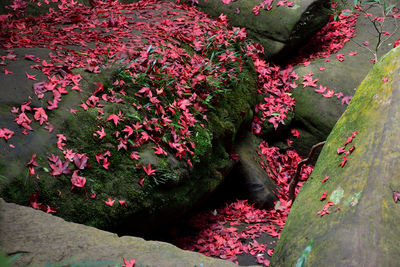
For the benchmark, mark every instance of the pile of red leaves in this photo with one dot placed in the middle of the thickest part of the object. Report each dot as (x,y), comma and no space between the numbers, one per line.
(329,39)
(232,230)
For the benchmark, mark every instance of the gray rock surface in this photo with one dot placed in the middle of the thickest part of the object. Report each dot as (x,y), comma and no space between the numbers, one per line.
(258,185)
(43,238)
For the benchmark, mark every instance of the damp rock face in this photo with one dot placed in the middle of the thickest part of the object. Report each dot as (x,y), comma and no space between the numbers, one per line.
(361,228)
(45,239)
(280,30)
(257,185)
(316,115)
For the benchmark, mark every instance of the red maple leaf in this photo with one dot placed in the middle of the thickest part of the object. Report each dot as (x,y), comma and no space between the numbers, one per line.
(114,118)
(6,71)
(340,57)
(31,77)
(343,162)
(122,203)
(60,168)
(159,151)
(80,161)
(386,78)
(128,129)
(329,94)
(32,162)
(109,202)
(101,133)
(325,209)
(141,181)
(396,196)
(340,150)
(295,133)
(127,263)
(77,181)
(346,100)
(40,115)
(323,197)
(325,179)
(148,170)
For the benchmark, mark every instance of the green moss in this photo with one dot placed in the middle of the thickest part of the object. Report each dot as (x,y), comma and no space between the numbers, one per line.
(369,169)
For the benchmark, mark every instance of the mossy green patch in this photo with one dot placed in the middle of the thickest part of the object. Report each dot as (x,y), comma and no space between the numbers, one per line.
(358,233)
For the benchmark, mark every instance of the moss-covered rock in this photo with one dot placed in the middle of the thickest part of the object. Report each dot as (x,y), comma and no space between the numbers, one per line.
(362,227)
(279,30)
(193,128)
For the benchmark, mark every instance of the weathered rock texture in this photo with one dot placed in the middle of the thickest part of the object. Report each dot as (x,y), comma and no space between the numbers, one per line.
(280,30)
(256,183)
(364,231)
(42,239)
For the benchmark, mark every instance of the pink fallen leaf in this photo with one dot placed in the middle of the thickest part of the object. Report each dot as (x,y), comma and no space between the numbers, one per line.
(159,150)
(32,162)
(340,57)
(295,133)
(30,77)
(321,89)
(109,202)
(148,170)
(325,179)
(325,209)
(386,78)
(343,162)
(80,161)
(6,71)
(346,100)
(60,168)
(49,209)
(76,180)
(135,155)
(40,115)
(396,196)
(101,133)
(340,150)
(122,203)
(127,263)
(141,181)
(114,118)
(323,197)
(329,94)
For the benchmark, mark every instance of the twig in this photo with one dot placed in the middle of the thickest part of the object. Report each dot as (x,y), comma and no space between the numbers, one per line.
(300,164)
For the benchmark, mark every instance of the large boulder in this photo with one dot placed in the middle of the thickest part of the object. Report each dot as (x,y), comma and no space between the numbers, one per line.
(279,29)
(316,115)
(361,228)
(146,139)
(43,239)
